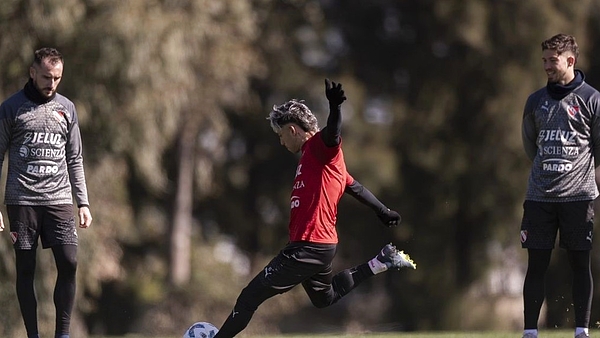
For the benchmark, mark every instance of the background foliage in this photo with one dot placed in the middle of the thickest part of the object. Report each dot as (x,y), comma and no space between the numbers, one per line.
(189,186)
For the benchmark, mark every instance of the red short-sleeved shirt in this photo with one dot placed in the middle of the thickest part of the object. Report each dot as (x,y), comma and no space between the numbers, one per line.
(320,181)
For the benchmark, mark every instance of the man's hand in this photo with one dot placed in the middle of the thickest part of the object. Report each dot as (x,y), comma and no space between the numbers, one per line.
(85,217)
(390,218)
(334,93)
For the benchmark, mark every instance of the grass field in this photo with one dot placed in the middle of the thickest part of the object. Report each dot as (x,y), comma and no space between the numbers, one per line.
(543,334)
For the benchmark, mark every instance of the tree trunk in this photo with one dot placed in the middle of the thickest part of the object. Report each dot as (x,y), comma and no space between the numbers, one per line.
(181,230)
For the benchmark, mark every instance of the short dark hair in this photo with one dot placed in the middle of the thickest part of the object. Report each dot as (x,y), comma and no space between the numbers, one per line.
(51,54)
(562,43)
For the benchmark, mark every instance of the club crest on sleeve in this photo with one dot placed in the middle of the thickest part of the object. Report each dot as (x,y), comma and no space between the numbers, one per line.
(523,236)
(573,110)
(59,115)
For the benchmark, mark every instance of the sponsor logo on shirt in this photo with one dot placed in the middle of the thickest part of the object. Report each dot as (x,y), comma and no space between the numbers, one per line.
(568,151)
(42,169)
(557,165)
(295,202)
(564,136)
(561,153)
(299,184)
(25,151)
(45,138)
(42,146)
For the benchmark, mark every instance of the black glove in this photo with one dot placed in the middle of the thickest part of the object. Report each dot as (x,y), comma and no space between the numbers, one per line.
(390,218)
(334,93)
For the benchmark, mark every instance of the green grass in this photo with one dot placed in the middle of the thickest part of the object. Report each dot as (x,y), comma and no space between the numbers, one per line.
(543,334)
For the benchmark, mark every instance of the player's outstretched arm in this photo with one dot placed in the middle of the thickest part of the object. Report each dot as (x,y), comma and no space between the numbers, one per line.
(331,134)
(389,218)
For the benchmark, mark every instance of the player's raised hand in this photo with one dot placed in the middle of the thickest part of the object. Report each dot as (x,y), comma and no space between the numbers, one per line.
(390,218)
(334,92)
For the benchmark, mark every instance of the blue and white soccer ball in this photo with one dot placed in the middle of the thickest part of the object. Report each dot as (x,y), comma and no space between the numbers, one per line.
(201,330)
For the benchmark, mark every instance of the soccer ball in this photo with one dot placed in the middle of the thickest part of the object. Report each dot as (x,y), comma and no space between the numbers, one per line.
(201,330)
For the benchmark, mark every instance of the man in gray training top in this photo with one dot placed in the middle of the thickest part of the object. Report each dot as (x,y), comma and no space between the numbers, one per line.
(40,131)
(561,135)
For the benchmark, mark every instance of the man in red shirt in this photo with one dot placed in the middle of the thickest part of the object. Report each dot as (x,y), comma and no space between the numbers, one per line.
(321,180)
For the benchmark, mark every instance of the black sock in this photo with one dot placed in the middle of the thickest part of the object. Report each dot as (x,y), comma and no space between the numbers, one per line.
(534,286)
(25,264)
(64,291)
(583,286)
(346,280)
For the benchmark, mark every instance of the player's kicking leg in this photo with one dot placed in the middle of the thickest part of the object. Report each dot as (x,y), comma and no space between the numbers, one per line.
(324,290)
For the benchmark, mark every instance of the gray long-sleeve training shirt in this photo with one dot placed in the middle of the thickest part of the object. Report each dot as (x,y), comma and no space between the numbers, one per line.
(561,135)
(45,162)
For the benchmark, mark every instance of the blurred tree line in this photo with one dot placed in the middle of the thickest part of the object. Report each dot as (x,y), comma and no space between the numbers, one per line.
(189,186)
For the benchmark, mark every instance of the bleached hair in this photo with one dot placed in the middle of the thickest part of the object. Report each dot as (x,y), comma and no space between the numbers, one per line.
(293,111)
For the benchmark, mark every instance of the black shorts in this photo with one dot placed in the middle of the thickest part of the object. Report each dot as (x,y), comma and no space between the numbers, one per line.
(303,263)
(543,220)
(297,263)
(53,224)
